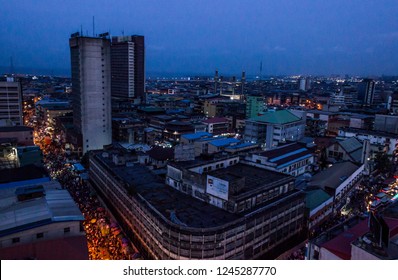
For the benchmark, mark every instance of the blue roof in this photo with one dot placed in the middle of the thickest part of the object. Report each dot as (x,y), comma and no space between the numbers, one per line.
(242,145)
(197,135)
(78,167)
(295,160)
(288,154)
(224,142)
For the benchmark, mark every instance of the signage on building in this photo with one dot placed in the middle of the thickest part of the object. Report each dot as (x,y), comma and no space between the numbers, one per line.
(217,187)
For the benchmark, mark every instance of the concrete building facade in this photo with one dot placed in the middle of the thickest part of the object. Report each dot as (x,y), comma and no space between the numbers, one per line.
(171,224)
(91,89)
(128,68)
(273,128)
(11,102)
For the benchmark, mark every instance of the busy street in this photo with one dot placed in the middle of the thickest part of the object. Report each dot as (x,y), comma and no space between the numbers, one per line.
(105,238)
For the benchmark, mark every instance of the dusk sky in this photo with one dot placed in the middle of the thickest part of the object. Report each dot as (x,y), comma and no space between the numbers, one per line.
(358,37)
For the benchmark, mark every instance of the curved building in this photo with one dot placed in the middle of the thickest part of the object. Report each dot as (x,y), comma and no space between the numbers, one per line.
(254,218)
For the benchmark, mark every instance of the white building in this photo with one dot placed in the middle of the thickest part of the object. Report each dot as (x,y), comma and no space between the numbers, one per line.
(293,159)
(273,128)
(385,141)
(91,89)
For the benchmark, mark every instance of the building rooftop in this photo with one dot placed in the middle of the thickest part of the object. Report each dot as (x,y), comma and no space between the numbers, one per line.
(340,245)
(277,117)
(286,154)
(160,153)
(168,202)
(243,145)
(215,120)
(369,132)
(202,160)
(315,197)
(334,176)
(322,112)
(255,177)
(224,142)
(55,206)
(351,144)
(195,136)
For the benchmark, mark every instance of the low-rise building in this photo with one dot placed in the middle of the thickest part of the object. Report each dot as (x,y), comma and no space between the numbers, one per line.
(217,126)
(359,238)
(40,221)
(23,134)
(175,222)
(386,123)
(294,159)
(338,181)
(319,205)
(379,140)
(349,149)
(273,128)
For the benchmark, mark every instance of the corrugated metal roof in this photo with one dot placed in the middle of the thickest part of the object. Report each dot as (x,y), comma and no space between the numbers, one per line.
(197,135)
(56,205)
(224,142)
(351,144)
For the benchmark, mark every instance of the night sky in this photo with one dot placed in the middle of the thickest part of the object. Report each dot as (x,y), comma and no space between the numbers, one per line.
(357,37)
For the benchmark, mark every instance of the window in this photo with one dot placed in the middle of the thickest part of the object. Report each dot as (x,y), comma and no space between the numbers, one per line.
(67,229)
(16,240)
(39,235)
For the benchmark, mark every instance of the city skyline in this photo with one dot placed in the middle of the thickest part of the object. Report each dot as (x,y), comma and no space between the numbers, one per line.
(309,38)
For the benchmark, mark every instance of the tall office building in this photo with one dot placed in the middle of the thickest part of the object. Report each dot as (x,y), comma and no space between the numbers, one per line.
(91,88)
(128,68)
(366,91)
(10,103)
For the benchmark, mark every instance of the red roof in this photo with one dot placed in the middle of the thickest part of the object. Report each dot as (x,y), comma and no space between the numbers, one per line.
(341,244)
(71,248)
(216,120)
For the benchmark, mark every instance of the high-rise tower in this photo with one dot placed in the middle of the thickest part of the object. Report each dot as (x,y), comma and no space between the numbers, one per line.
(91,89)
(366,91)
(128,68)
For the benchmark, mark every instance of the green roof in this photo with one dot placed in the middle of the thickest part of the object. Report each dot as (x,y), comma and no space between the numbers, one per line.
(315,198)
(277,117)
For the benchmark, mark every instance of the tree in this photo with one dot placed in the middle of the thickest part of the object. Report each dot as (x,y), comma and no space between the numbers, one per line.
(383,163)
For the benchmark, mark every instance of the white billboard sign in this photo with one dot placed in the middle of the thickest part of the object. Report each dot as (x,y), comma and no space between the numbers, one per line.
(217,187)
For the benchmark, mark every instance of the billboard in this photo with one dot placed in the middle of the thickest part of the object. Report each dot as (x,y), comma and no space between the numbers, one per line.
(217,187)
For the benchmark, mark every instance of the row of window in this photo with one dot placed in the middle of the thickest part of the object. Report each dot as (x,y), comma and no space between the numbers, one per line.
(38,235)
